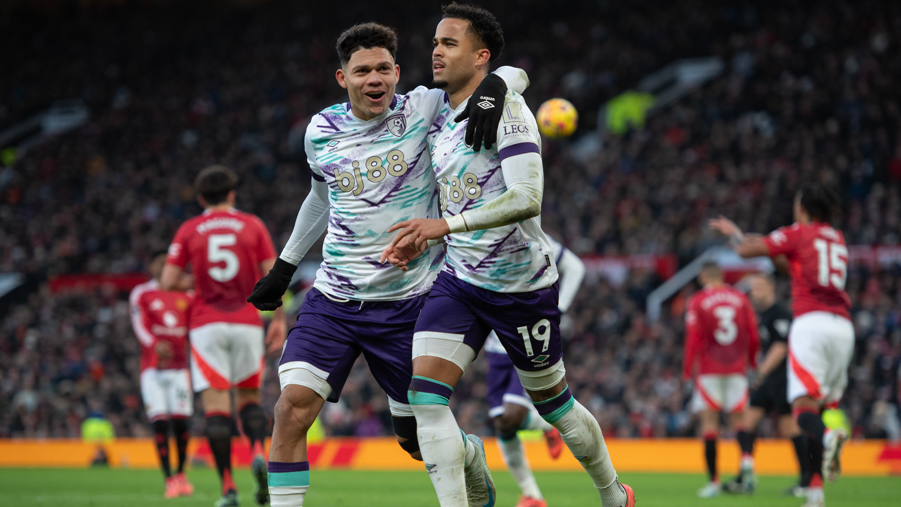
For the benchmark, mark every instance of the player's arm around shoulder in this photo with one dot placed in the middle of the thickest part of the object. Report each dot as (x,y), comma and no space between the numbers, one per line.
(427,102)
(520,157)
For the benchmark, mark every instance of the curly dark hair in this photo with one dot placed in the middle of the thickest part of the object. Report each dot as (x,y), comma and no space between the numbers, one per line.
(484,29)
(366,36)
(821,202)
(214,183)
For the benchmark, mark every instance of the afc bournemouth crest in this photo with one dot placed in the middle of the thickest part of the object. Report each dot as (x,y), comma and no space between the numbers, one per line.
(397,125)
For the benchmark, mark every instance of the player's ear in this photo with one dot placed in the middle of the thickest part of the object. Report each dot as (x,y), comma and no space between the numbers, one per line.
(232,198)
(396,71)
(201,201)
(483,56)
(339,75)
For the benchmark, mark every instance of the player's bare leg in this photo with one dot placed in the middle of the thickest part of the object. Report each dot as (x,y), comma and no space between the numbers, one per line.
(710,429)
(217,410)
(289,471)
(455,461)
(506,425)
(582,434)
(254,424)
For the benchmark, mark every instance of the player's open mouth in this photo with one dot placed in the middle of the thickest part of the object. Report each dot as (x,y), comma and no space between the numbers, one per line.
(375,96)
(437,66)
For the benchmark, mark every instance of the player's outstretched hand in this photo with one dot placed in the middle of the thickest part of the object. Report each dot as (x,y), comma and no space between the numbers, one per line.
(267,293)
(402,254)
(724,226)
(484,110)
(420,230)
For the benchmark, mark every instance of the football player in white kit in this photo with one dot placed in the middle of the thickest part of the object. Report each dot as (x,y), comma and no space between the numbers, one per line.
(498,275)
(370,168)
(509,404)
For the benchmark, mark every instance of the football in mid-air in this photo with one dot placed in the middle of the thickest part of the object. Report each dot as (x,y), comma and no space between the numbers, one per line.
(557,118)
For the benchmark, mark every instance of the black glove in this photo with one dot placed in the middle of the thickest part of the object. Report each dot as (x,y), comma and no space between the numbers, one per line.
(267,293)
(484,110)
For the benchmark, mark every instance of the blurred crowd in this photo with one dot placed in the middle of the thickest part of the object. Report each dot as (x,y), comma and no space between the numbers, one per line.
(806,94)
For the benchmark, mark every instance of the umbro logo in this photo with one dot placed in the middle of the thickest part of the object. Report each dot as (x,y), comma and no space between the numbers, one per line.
(485,104)
(540,359)
(430,467)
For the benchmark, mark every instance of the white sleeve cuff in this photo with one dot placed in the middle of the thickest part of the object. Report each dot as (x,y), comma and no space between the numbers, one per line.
(456,223)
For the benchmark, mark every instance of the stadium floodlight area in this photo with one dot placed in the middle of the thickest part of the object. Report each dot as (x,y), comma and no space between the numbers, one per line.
(9,281)
(62,116)
(725,257)
(672,82)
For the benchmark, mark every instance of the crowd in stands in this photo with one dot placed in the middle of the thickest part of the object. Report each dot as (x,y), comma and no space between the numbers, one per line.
(807,94)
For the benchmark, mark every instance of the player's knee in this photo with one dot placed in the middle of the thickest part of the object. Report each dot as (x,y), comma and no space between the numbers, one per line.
(425,391)
(253,418)
(549,381)
(405,429)
(218,427)
(506,425)
(294,415)
(160,427)
(180,425)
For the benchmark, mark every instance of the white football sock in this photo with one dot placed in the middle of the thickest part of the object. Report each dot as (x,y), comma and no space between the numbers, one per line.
(287,496)
(582,434)
(518,465)
(469,452)
(534,421)
(443,451)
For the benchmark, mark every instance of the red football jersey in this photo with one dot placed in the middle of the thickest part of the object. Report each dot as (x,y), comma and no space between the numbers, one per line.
(225,249)
(818,265)
(160,316)
(720,332)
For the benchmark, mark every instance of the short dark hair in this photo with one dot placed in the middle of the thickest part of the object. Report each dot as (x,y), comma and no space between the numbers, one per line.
(712,269)
(820,202)
(483,26)
(214,183)
(366,36)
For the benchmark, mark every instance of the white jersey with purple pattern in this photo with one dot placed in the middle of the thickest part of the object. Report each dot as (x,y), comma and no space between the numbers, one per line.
(378,173)
(493,343)
(512,258)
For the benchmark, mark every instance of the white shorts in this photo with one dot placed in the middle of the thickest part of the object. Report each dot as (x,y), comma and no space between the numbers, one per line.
(225,355)
(820,349)
(167,393)
(721,393)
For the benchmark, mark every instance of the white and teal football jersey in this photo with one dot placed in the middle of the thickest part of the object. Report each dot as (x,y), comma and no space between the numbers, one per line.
(378,172)
(512,258)
(493,343)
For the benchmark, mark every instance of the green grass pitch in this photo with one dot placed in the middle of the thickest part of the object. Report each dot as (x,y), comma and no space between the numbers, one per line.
(21,487)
